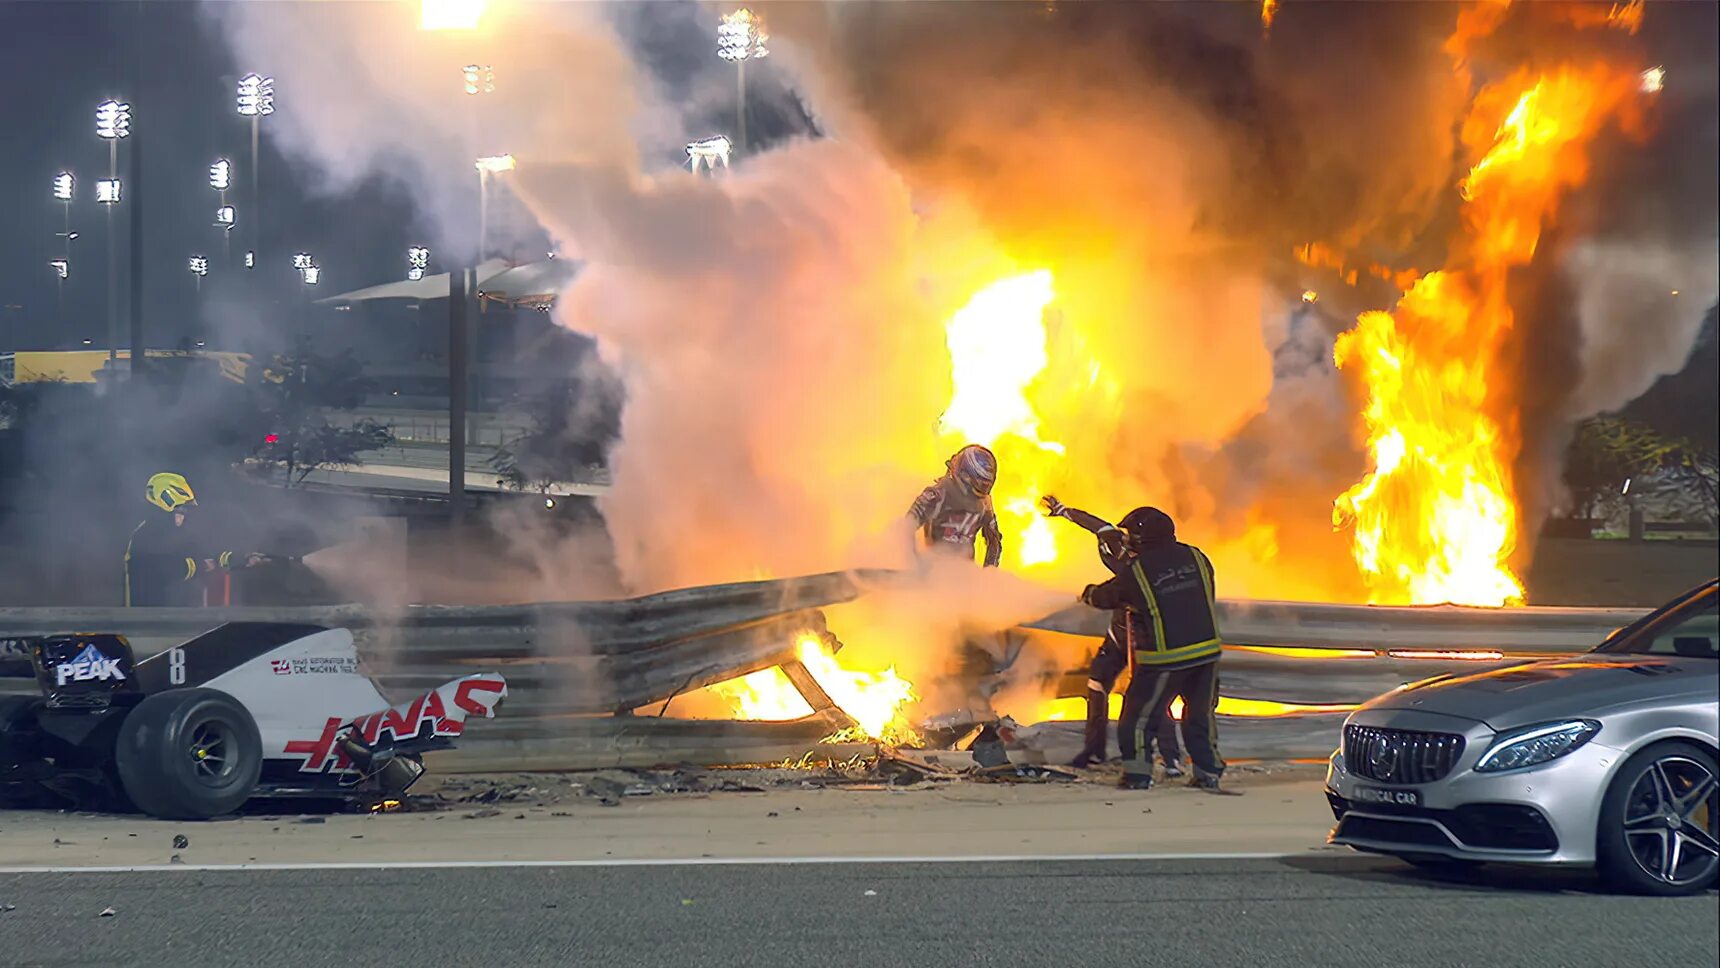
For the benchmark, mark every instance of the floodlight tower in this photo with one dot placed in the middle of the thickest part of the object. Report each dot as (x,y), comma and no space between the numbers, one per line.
(741,37)
(255,100)
(113,125)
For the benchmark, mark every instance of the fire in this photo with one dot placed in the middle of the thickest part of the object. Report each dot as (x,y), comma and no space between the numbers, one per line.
(1074,708)
(1436,517)
(450,14)
(763,695)
(876,701)
(1268,10)
(997,346)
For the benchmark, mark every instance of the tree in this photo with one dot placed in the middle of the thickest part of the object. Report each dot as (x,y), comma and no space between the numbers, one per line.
(295,392)
(1608,451)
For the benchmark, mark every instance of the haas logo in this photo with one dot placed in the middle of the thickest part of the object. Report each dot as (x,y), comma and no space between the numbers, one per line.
(440,712)
(958,527)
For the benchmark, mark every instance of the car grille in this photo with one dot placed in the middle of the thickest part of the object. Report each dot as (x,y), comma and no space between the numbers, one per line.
(1400,756)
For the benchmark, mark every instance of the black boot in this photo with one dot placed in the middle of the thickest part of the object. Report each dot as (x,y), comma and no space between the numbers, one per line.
(1209,784)
(1135,781)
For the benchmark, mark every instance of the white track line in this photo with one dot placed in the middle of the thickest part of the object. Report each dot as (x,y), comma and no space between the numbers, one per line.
(638,862)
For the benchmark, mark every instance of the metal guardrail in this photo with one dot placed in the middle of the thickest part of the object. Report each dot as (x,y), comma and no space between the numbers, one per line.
(573,666)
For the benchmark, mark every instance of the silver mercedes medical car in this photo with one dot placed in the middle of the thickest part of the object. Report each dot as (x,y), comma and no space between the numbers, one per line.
(1606,759)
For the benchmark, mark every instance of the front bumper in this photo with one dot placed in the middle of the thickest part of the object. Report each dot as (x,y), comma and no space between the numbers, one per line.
(1541,815)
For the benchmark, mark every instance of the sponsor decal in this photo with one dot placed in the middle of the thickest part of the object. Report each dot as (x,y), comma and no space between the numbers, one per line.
(1402,798)
(440,712)
(317,665)
(90,664)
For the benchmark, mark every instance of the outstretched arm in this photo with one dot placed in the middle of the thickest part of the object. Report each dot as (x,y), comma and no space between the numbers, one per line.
(1091,522)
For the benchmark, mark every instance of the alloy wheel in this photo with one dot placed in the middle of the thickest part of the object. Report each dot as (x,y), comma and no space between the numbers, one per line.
(1670,820)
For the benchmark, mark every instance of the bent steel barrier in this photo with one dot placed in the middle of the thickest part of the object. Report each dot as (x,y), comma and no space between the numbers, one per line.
(575,669)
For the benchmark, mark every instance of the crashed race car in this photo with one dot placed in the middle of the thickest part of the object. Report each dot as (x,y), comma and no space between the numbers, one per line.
(248,709)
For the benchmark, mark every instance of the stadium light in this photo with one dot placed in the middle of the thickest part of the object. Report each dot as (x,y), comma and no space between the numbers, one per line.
(113,120)
(417,260)
(741,36)
(496,163)
(64,184)
(62,267)
(480,79)
(302,261)
(107,191)
(198,265)
(450,14)
(250,260)
(221,175)
(224,217)
(256,95)
(311,274)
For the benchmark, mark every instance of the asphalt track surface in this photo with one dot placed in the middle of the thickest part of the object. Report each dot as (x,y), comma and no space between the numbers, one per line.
(1328,910)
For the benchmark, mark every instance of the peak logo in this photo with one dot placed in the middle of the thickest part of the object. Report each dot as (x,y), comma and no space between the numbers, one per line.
(90,664)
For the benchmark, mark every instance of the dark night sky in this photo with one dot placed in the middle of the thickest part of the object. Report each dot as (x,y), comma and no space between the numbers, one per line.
(65,58)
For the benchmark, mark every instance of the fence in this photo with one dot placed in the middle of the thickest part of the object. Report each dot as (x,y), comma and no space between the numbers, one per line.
(576,669)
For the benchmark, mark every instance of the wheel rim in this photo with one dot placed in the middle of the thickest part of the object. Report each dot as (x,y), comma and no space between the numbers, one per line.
(212,751)
(1670,820)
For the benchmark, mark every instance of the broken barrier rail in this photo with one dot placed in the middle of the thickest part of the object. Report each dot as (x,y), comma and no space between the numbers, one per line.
(577,669)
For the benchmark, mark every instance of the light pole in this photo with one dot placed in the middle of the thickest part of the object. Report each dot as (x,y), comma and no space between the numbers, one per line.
(199,267)
(113,124)
(255,100)
(221,179)
(65,186)
(488,166)
(740,38)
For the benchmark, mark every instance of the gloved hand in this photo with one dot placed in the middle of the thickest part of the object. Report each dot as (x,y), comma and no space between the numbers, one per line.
(1053,507)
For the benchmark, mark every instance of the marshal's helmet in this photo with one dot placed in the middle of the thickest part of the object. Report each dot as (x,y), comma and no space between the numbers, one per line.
(1149,526)
(169,492)
(975,468)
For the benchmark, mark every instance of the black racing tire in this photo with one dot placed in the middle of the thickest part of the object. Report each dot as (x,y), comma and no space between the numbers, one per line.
(189,754)
(17,753)
(1632,835)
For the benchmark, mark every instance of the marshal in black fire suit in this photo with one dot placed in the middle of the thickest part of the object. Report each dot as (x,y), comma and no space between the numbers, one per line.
(1113,655)
(163,557)
(1169,594)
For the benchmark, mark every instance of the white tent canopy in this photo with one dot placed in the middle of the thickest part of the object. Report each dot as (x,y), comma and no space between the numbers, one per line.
(496,278)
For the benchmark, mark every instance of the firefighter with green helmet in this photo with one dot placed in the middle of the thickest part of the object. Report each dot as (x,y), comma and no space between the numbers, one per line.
(162,559)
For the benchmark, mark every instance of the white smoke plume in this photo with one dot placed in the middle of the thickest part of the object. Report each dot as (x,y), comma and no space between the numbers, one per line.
(780,330)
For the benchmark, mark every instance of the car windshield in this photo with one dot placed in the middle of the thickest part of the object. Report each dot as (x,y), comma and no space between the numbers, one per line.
(1692,631)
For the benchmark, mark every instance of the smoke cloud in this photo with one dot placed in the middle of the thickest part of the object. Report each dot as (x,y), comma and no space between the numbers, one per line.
(779,330)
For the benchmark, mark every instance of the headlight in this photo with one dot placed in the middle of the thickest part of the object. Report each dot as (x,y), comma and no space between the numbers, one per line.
(1536,745)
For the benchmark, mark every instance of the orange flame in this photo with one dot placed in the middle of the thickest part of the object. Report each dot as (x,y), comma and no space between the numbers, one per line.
(1435,518)
(876,701)
(1268,11)
(997,346)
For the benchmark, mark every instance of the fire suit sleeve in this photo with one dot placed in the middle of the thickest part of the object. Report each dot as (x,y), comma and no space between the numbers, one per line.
(993,536)
(1091,522)
(926,505)
(1111,595)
